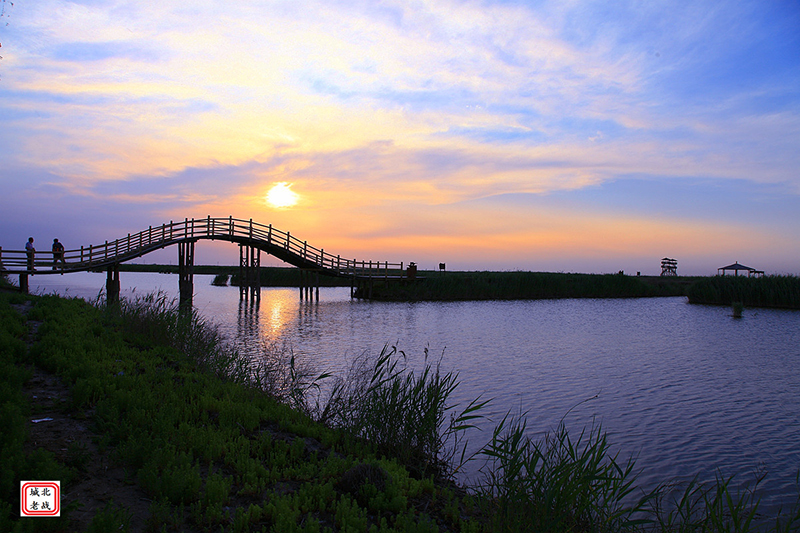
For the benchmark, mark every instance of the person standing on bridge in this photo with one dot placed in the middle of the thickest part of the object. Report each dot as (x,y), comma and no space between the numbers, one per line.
(58,253)
(30,250)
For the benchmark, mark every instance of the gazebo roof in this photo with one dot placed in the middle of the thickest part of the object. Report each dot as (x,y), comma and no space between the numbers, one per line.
(736,266)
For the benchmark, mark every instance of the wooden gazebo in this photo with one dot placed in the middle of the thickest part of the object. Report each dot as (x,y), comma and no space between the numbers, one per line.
(736,267)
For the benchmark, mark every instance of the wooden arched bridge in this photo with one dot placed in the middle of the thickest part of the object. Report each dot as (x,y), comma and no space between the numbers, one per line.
(251,237)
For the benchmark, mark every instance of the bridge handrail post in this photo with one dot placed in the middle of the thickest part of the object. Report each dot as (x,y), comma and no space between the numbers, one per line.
(251,228)
(269,235)
(171,229)
(209,226)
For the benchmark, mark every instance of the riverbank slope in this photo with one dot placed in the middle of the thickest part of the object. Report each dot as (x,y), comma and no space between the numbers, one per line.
(144,437)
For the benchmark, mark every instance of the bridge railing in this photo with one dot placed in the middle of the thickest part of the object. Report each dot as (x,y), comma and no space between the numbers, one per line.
(239,230)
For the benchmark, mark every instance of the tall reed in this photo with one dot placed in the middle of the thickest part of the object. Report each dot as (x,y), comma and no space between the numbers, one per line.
(556,484)
(765,291)
(402,412)
(287,378)
(720,506)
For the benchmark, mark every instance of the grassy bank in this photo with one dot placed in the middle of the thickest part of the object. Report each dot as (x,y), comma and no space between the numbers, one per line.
(203,441)
(525,285)
(765,291)
(169,404)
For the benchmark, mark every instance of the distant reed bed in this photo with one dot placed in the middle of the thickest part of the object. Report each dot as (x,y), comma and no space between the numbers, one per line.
(765,291)
(525,285)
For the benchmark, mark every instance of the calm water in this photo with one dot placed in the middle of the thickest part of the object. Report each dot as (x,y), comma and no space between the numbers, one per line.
(687,389)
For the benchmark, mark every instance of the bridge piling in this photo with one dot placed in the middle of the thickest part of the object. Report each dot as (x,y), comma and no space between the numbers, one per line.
(112,284)
(249,272)
(186,272)
(309,285)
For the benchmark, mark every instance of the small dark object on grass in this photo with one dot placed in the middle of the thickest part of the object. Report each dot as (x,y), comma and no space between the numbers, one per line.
(360,475)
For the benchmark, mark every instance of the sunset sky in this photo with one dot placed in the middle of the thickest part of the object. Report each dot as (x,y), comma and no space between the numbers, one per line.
(564,135)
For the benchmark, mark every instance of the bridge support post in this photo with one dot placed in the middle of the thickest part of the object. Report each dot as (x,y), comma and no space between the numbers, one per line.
(249,272)
(186,272)
(309,285)
(112,284)
(301,284)
(23,283)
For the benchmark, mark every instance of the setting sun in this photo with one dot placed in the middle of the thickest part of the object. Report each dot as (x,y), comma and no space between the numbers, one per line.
(281,195)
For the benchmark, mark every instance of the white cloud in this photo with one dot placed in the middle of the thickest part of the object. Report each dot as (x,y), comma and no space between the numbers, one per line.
(427,102)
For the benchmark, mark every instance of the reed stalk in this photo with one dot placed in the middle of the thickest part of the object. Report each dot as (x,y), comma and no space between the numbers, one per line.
(402,412)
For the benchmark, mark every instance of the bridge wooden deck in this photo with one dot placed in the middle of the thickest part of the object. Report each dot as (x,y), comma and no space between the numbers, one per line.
(252,238)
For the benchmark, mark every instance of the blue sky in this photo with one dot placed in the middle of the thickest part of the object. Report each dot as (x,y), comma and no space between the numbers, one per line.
(567,135)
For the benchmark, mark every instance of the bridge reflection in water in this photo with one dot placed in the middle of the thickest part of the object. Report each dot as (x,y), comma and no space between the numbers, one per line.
(252,238)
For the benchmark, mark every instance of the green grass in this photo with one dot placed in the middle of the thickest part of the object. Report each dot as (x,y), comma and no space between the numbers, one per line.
(765,291)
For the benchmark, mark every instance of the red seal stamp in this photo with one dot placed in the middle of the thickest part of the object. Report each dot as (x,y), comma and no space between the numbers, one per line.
(40,498)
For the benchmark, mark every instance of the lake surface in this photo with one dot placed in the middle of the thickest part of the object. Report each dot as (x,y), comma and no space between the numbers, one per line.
(687,389)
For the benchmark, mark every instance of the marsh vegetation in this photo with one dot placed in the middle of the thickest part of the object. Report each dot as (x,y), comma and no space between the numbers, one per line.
(443,286)
(764,291)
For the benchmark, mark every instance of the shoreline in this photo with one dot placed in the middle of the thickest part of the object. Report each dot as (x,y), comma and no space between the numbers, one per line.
(114,389)
(774,291)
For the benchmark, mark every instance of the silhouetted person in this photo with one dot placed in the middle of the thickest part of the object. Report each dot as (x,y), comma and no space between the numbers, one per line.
(30,250)
(58,253)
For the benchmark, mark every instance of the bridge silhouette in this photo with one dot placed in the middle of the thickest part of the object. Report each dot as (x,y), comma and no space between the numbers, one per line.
(251,237)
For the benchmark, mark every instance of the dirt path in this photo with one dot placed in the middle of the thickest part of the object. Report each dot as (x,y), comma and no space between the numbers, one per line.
(59,428)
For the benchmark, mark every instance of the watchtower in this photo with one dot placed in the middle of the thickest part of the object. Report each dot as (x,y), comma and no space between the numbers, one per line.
(669,267)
